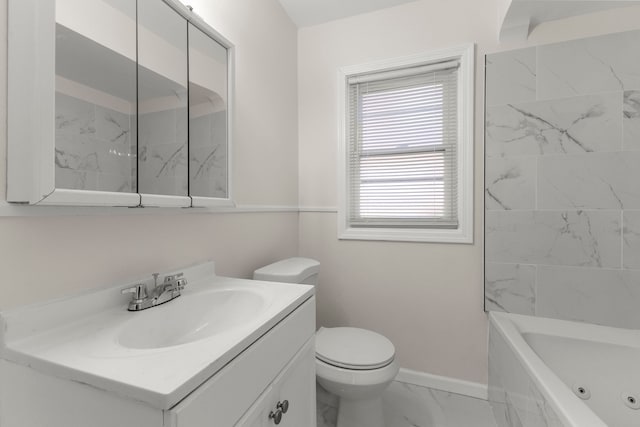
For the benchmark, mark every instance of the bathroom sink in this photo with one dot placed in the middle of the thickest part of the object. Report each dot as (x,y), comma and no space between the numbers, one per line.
(158,355)
(192,318)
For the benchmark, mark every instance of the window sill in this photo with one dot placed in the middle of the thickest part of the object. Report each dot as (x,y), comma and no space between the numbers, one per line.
(459,235)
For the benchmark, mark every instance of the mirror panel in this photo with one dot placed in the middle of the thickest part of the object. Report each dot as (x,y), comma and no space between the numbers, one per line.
(162,100)
(208,112)
(95,95)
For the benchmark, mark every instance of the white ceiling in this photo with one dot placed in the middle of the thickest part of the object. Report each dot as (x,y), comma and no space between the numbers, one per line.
(311,12)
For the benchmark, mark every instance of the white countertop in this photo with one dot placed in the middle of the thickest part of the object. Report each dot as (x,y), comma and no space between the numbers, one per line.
(77,338)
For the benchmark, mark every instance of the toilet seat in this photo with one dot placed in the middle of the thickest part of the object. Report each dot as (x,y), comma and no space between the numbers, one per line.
(353,348)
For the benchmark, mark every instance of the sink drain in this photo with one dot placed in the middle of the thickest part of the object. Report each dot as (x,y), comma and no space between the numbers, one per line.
(631,400)
(581,391)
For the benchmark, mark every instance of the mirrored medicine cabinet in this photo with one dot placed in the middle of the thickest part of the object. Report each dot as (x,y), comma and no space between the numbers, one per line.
(117,103)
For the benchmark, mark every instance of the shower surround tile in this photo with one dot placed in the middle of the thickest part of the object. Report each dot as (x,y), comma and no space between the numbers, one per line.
(162,153)
(574,238)
(510,288)
(589,181)
(631,120)
(208,155)
(580,124)
(511,77)
(631,240)
(93,147)
(561,182)
(510,183)
(591,65)
(602,296)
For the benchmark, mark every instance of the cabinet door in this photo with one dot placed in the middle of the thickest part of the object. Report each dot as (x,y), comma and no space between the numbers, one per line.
(162,105)
(258,414)
(71,102)
(209,118)
(296,388)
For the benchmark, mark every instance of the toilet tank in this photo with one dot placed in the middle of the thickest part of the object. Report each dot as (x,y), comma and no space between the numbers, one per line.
(290,270)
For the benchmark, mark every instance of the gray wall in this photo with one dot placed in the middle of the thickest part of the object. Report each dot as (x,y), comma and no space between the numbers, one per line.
(562,180)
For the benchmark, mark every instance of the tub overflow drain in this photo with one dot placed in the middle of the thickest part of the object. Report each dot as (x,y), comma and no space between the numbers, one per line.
(631,400)
(581,391)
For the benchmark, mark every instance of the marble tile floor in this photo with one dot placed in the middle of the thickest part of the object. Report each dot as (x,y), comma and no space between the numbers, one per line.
(407,405)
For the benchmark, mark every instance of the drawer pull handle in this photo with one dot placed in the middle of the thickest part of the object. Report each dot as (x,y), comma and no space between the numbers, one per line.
(276,416)
(283,406)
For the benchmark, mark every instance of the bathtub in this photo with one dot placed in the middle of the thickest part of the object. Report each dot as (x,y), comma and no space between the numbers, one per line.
(547,372)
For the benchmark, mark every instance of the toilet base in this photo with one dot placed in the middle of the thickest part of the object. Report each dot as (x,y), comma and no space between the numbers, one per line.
(360,413)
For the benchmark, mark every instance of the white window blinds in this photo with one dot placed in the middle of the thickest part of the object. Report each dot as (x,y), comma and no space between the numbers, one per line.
(402,140)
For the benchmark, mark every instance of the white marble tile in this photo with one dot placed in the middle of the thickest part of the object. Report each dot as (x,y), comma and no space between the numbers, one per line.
(508,381)
(511,77)
(93,147)
(631,239)
(631,120)
(591,65)
(580,124)
(510,288)
(510,183)
(113,182)
(575,238)
(208,170)
(326,408)
(158,128)
(163,169)
(589,181)
(208,156)
(74,116)
(539,412)
(76,179)
(407,405)
(113,126)
(514,398)
(601,296)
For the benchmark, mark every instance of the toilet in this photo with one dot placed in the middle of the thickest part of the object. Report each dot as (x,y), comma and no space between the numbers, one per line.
(355,364)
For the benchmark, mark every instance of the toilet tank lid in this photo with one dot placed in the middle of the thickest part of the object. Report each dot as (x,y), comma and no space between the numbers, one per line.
(290,270)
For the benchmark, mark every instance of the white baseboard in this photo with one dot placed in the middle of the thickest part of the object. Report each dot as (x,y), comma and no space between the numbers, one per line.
(451,385)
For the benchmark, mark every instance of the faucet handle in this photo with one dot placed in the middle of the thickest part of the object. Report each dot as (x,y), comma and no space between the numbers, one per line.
(139,291)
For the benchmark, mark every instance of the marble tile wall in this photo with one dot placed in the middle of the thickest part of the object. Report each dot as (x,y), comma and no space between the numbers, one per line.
(408,405)
(162,148)
(208,155)
(515,399)
(562,180)
(93,147)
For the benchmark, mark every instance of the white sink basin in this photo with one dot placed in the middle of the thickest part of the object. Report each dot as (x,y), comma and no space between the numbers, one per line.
(158,355)
(207,314)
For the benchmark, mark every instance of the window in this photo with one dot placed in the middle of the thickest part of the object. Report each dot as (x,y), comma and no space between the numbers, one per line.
(406,149)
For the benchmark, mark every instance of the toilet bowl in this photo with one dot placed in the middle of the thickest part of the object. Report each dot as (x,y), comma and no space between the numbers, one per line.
(355,364)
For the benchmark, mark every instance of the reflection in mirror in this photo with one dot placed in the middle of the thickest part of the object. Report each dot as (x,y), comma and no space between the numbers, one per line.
(208,172)
(162,100)
(95,99)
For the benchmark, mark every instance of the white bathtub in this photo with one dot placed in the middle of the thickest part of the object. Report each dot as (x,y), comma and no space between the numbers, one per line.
(537,363)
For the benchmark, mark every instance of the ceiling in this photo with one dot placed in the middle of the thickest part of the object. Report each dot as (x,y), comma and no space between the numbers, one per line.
(311,12)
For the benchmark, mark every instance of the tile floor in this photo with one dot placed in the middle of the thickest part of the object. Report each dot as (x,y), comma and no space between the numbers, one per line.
(407,405)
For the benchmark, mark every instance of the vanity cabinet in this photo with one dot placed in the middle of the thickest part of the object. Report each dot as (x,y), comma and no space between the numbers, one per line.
(278,366)
(116,103)
(294,389)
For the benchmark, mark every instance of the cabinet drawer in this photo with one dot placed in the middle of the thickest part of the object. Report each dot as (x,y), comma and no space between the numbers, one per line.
(224,398)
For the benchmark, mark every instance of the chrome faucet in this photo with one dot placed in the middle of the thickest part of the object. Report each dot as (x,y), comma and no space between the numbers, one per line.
(169,289)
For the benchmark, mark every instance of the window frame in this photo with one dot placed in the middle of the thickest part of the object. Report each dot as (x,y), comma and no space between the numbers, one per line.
(465,55)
